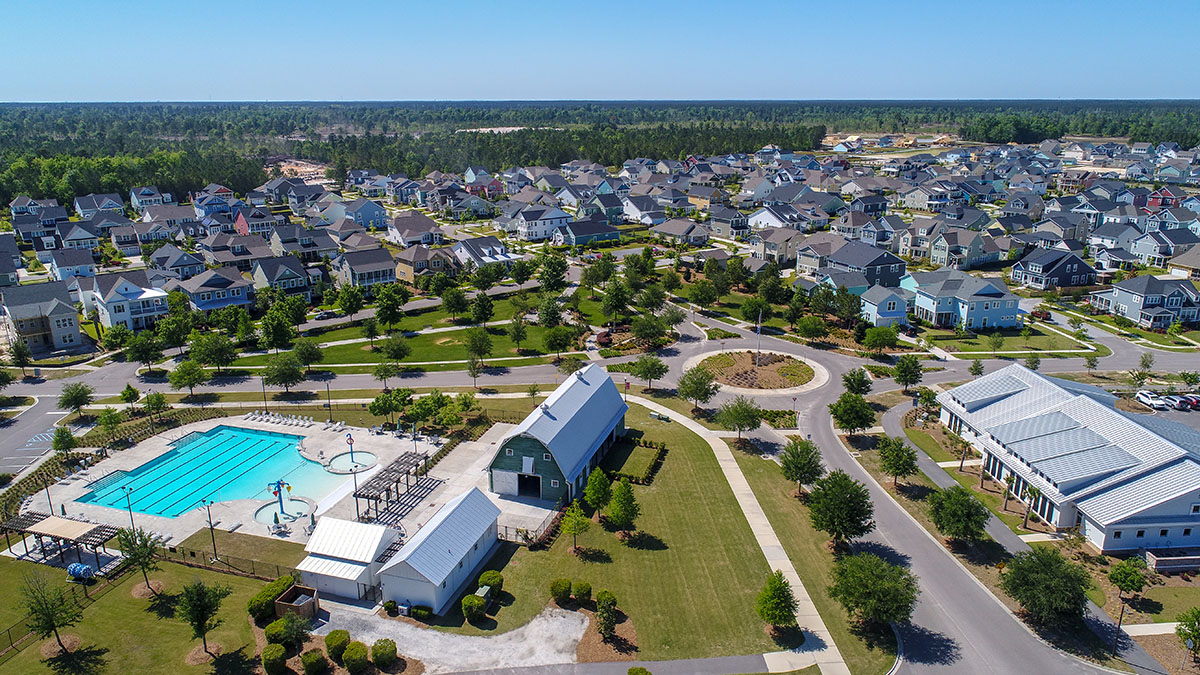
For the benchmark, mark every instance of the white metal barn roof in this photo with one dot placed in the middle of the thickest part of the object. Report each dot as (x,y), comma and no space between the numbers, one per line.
(435,550)
(332,567)
(347,540)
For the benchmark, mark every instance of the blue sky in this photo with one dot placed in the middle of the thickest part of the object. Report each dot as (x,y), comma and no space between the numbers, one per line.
(138,50)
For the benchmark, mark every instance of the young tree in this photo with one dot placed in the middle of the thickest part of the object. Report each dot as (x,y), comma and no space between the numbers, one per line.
(896,458)
(20,355)
(109,420)
(479,343)
(173,330)
(188,374)
(549,312)
(1033,362)
(697,385)
(350,300)
(1090,362)
(879,338)
(1051,589)
(996,341)
(557,339)
(976,368)
(482,309)
(1031,495)
(574,522)
(1129,576)
(140,548)
(776,604)
(841,507)
(517,332)
(756,307)
(307,352)
(396,348)
(474,369)
(615,300)
(75,396)
(1189,377)
(648,368)
(48,607)
(283,371)
(1187,627)
(276,332)
(63,440)
(623,508)
(703,294)
(652,298)
(370,329)
(857,381)
(957,513)
(873,590)
(198,606)
(598,491)
(851,413)
(384,372)
(800,461)
(553,273)
(521,271)
(812,328)
(130,396)
(671,281)
(389,303)
(116,337)
(155,403)
(1146,362)
(907,371)
(213,349)
(740,414)
(145,348)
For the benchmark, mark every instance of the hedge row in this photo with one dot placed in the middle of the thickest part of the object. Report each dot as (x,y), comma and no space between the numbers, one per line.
(779,419)
(143,428)
(262,605)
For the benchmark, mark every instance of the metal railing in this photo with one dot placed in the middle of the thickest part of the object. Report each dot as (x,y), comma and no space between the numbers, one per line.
(246,567)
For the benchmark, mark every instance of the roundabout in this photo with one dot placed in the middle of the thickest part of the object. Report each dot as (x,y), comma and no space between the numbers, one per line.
(741,371)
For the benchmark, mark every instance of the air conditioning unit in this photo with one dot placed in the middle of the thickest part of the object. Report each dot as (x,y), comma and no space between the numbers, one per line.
(402,610)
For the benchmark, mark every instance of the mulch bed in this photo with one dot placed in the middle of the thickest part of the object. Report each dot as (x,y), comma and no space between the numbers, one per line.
(737,369)
(623,646)
(50,648)
(408,666)
(198,656)
(140,591)
(1167,650)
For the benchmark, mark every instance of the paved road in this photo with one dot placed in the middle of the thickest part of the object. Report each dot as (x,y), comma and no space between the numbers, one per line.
(958,625)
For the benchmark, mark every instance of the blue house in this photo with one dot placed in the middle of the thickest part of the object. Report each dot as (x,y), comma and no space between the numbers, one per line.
(883,306)
(1150,301)
(852,281)
(948,298)
(583,232)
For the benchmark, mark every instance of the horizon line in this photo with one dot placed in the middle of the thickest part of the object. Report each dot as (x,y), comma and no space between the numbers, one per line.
(603,100)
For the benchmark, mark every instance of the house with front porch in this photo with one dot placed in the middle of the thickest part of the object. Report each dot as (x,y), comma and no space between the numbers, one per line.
(215,289)
(177,261)
(1151,301)
(584,232)
(1047,268)
(682,230)
(147,195)
(365,268)
(1154,249)
(286,273)
(883,306)
(1186,265)
(420,260)
(947,298)
(550,454)
(128,298)
(71,262)
(89,205)
(42,316)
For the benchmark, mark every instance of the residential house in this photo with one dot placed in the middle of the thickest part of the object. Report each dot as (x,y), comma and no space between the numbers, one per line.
(308,245)
(234,250)
(277,189)
(1044,269)
(1155,248)
(78,235)
(419,260)
(89,205)
(851,223)
(874,206)
(877,265)
(703,197)
(550,454)
(147,195)
(947,298)
(584,232)
(728,222)
(71,262)
(883,306)
(607,206)
(535,223)
(683,231)
(812,253)
(1126,483)
(776,244)
(257,220)
(780,216)
(215,289)
(1186,265)
(1168,196)
(479,251)
(285,273)
(854,282)
(881,232)
(42,316)
(301,196)
(413,227)
(643,209)
(962,249)
(128,298)
(365,268)
(1150,301)
(169,215)
(23,205)
(173,259)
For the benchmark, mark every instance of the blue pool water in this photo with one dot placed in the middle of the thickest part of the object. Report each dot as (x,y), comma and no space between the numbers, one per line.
(221,464)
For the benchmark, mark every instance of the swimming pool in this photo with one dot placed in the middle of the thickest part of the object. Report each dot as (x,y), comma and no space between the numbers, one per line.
(222,464)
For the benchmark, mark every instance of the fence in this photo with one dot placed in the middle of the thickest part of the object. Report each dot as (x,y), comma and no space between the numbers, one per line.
(540,535)
(245,567)
(19,635)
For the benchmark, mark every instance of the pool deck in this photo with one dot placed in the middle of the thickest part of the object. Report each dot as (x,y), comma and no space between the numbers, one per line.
(460,470)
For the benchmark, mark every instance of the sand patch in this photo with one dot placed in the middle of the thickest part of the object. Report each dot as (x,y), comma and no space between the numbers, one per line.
(50,648)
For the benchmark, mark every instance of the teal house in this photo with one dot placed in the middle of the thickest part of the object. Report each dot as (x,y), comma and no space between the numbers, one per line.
(549,455)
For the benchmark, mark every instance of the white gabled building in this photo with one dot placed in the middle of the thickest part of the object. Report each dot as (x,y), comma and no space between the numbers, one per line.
(445,555)
(344,557)
(1128,481)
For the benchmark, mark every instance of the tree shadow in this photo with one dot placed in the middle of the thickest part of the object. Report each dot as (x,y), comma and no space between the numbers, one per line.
(789,637)
(862,442)
(206,397)
(320,375)
(644,541)
(621,645)
(83,661)
(295,396)
(588,554)
(924,646)
(163,605)
(914,491)
(984,553)
(1143,604)
(235,662)
(883,551)
(876,636)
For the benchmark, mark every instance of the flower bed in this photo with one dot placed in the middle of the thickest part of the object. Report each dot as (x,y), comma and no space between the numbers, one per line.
(773,371)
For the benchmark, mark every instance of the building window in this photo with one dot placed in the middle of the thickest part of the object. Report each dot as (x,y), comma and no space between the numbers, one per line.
(1162,533)
(546,456)
(1187,531)
(1116,534)
(508,452)
(553,483)
(1141,533)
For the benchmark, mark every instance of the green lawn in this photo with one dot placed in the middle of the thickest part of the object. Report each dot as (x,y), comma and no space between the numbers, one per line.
(448,346)
(1039,340)
(249,546)
(1173,600)
(11,572)
(592,310)
(689,585)
(628,458)
(435,317)
(806,547)
(1107,322)
(925,442)
(122,634)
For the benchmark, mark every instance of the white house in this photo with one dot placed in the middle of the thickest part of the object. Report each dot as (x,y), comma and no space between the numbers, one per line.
(535,223)
(1127,481)
(342,557)
(445,555)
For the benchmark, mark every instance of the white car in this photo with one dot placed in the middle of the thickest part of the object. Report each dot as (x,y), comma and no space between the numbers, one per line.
(1151,400)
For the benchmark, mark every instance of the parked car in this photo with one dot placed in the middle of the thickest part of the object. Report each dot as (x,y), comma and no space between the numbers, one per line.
(910,331)
(321,316)
(1151,400)
(1177,402)
(1192,399)
(1040,314)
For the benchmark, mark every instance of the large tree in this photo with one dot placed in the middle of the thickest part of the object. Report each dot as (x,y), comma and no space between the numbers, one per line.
(841,507)
(553,274)
(873,590)
(1051,589)
(188,374)
(549,312)
(907,371)
(173,330)
(800,461)
(957,513)
(276,332)
(308,352)
(47,606)
(698,385)
(350,300)
(739,414)
(283,371)
(75,396)
(213,349)
(648,368)
(389,303)
(482,308)
(454,301)
(144,348)
(852,413)
(857,381)
(558,339)
(896,458)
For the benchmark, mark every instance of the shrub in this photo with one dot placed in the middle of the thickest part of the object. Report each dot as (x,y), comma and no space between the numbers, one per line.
(383,653)
(605,599)
(560,590)
(582,591)
(391,608)
(335,643)
(355,657)
(472,608)
(638,670)
(262,605)
(493,579)
(421,612)
(5,479)
(314,662)
(274,659)
(291,630)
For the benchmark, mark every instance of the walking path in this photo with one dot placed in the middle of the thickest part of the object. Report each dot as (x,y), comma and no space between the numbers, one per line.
(1166,628)
(827,657)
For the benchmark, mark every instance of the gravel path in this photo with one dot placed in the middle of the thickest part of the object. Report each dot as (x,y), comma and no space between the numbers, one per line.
(550,638)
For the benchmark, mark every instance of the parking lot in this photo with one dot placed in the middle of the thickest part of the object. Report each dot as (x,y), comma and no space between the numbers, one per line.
(1188,417)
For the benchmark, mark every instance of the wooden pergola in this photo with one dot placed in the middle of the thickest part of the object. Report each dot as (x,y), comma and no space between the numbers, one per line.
(385,485)
(80,534)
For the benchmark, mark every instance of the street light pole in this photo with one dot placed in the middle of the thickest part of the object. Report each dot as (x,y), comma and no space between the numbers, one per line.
(329,400)
(46,485)
(211,532)
(129,504)
(263,379)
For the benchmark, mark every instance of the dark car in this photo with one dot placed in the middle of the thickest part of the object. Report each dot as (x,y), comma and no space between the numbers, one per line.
(910,331)
(321,316)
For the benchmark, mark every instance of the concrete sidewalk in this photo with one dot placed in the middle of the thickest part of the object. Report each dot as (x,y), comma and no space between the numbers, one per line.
(827,657)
